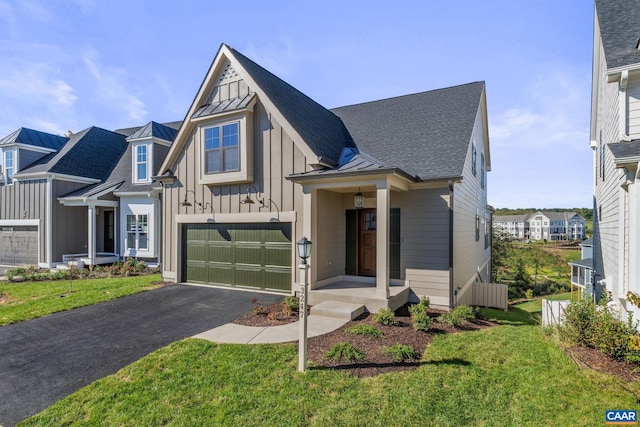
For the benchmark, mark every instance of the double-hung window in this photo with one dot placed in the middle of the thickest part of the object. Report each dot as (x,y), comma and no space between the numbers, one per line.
(221,148)
(137,232)
(141,163)
(9,165)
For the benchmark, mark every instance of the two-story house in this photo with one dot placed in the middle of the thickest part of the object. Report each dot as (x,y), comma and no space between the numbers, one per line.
(615,140)
(392,193)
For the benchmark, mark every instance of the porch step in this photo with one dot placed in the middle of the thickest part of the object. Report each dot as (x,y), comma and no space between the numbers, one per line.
(338,310)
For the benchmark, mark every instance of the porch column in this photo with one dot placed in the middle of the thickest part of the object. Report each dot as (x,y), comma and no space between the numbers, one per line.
(634,236)
(309,228)
(382,240)
(91,238)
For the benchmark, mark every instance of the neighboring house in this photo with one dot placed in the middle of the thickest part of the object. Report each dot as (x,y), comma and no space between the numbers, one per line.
(517,226)
(392,193)
(582,270)
(542,225)
(615,140)
(87,197)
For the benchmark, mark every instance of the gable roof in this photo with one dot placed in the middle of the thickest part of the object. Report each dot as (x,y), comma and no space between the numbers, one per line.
(321,129)
(130,131)
(510,218)
(91,153)
(153,129)
(34,138)
(425,134)
(620,31)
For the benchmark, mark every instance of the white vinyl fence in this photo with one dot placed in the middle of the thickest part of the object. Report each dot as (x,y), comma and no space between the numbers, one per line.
(553,312)
(492,295)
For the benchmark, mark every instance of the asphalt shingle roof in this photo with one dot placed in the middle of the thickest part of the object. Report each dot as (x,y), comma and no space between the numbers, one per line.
(510,218)
(623,150)
(321,129)
(123,171)
(587,262)
(91,153)
(425,134)
(620,29)
(35,138)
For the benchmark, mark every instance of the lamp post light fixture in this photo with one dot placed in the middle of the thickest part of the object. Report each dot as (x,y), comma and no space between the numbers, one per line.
(304,252)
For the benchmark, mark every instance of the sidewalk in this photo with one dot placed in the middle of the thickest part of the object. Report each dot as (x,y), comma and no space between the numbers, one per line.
(239,334)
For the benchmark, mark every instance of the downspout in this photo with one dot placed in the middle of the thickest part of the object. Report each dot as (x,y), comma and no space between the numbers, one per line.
(622,99)
(451,291)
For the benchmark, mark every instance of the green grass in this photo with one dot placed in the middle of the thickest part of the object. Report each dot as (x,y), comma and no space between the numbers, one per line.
(28,300)
(507,376)
(524,313)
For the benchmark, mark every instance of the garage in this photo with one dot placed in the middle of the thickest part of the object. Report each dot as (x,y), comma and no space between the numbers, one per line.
(252,256)
(19,244)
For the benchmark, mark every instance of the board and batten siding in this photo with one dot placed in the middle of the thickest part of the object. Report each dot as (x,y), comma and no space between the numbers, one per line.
(26,200)
(471,259)
(607,189)
(69,223)
(275,156)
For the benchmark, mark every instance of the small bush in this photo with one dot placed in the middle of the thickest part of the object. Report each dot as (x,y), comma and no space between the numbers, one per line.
(385,316)
(258,309)
(400,352)
(366,330)
(457,316)
(421,321)
(421,307)
(346,351)
(292,302)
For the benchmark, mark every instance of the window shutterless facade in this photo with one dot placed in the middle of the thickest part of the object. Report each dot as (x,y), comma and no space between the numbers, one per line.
(137,232)
(222,148)
(142,165)
(9,165)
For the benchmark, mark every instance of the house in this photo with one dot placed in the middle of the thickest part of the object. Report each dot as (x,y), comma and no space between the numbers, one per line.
(86,197)
(582,270)
(542,225)
(392,193)
(615,141)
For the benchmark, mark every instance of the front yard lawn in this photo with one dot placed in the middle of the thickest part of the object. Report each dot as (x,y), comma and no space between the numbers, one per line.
(28,300)
(506,375)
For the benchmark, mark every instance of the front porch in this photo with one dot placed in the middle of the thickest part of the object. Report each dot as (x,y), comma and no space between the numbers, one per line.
(353,291)
(82,259)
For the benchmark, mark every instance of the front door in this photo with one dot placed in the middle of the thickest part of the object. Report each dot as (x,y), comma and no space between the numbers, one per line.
(367,242)
(109,230)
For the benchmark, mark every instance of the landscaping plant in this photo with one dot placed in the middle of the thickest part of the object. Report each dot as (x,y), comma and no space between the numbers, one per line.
(457,316)
(400,352)
(385,316)
(345,350)
(366,330)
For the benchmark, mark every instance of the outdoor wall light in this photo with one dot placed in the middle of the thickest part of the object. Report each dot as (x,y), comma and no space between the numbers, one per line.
(304,249)
(248,201)
(358,200)
(185,202)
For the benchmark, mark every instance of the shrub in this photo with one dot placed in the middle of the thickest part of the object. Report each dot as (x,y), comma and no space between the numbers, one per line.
(346,351)
(400,352)
(366,330)
(421,307)
(258,309)
(292,302)
(528,294)
(421,322)
(385,316)
(457,316)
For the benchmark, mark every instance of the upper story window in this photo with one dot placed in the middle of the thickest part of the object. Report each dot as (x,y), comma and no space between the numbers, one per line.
(9,162)
(222,148)
(142,162)
(474,156)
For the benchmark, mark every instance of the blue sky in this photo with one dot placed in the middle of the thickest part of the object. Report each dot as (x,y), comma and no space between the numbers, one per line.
(67,65)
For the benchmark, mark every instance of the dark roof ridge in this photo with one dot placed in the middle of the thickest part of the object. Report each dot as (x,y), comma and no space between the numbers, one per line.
(407,95)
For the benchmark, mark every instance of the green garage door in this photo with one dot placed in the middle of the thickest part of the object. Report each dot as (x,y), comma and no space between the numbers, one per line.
(255,256)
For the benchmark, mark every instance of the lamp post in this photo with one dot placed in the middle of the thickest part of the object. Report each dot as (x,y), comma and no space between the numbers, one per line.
(304,252)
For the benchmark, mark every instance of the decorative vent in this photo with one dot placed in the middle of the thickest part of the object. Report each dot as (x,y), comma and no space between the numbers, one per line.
(228,74)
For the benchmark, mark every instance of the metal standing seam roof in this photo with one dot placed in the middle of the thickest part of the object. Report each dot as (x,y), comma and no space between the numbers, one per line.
(93,190)
(153,129)
(620,30)
(226,106)
(35,138)
(587,262)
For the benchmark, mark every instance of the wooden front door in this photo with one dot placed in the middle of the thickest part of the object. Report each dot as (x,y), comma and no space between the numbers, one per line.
(109,231)
(367,226)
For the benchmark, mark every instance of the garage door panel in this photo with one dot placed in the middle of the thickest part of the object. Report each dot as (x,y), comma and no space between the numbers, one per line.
(19,245)
(244,255)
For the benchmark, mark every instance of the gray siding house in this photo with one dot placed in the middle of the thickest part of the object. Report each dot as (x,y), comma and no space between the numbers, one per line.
(392,193)
(615,141)
(86,197)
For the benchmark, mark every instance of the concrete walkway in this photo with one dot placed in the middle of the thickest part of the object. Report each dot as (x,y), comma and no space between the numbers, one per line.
(239,334)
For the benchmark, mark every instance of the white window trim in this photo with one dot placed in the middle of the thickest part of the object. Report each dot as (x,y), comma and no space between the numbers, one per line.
(137,233)
(14,168)
(245,150)
(134,162)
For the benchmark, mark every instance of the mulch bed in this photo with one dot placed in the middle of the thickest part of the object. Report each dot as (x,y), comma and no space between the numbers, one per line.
(404,333)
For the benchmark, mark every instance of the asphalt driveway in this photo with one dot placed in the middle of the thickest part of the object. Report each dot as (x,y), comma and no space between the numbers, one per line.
(45,359)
